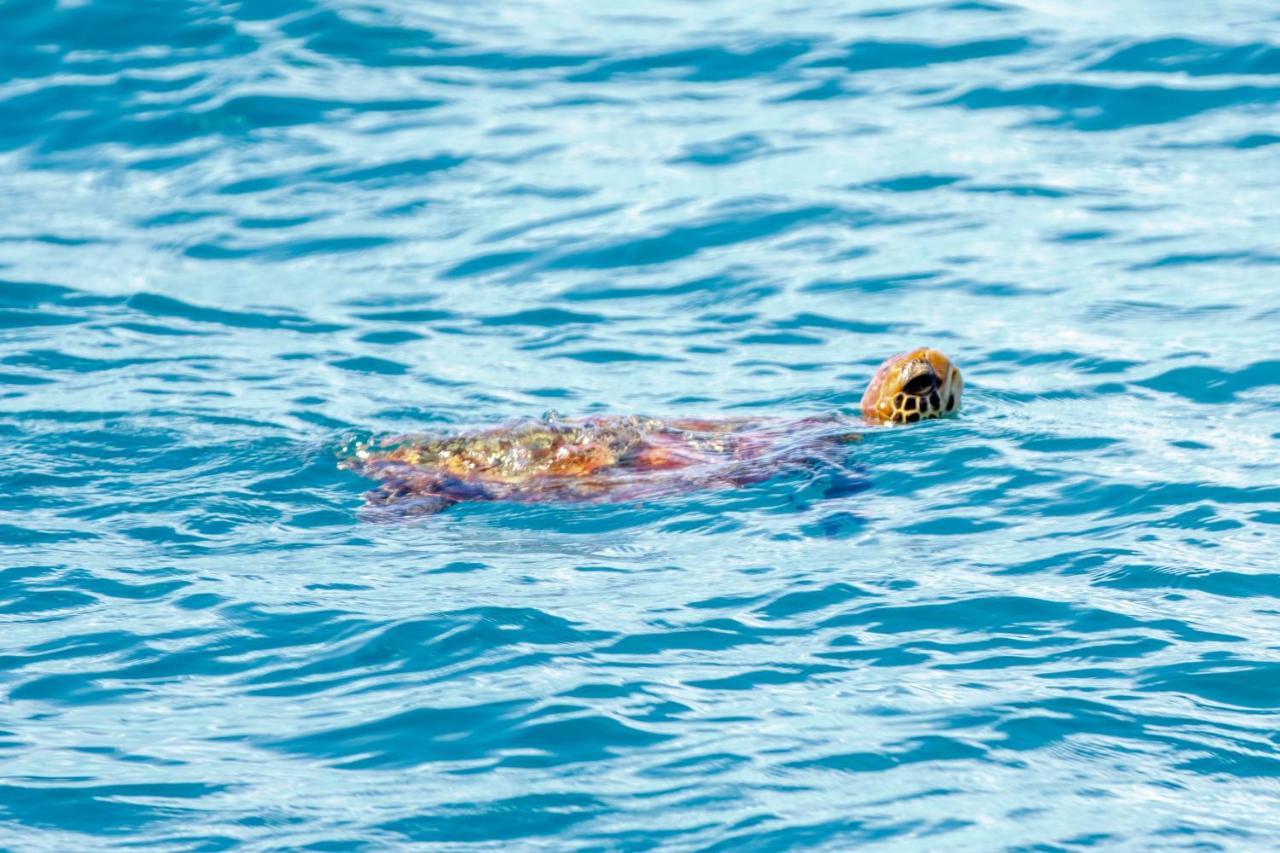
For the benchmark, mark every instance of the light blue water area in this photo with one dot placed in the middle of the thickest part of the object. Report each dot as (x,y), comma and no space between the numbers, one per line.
(235,234)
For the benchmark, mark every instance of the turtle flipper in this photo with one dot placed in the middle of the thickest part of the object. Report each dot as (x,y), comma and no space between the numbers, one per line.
(409,492)
(412,490)
(386,505)
(407,489)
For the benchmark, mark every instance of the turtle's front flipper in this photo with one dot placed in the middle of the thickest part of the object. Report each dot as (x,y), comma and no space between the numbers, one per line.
(387,504)
(408,489)
(409,492)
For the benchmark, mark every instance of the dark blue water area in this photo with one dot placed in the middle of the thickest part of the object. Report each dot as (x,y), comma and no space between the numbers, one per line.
(238,235)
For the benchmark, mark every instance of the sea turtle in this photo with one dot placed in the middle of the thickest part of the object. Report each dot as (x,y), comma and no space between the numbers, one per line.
(612,458)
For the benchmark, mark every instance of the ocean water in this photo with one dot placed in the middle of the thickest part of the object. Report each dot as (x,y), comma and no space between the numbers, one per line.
(235,235)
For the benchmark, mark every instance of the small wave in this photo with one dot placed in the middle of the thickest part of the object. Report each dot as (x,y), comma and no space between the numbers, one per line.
(686,240)
(727,152)
(879,55)
(1204,384)
(287,250)
(514,818)
(712,64)
(1191,57)
(474,737)
(1087,107)
(913,183)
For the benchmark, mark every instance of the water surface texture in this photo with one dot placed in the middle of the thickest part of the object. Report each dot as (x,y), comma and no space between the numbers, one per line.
(237,235)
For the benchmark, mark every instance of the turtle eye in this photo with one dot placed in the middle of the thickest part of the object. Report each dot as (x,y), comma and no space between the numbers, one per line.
(922,384)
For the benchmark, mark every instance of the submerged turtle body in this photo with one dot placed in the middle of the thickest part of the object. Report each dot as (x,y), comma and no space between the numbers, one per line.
(595,459)
(612,458)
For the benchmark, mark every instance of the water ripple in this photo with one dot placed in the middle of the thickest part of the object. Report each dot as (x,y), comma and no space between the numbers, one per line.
(1090,107)
(1191,57)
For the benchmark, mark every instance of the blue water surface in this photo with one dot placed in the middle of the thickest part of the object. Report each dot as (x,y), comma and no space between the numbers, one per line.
(236,234)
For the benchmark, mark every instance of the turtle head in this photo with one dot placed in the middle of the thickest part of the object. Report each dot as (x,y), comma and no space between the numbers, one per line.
(919,383)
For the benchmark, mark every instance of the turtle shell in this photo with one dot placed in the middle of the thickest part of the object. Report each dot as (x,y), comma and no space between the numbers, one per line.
(601,458)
